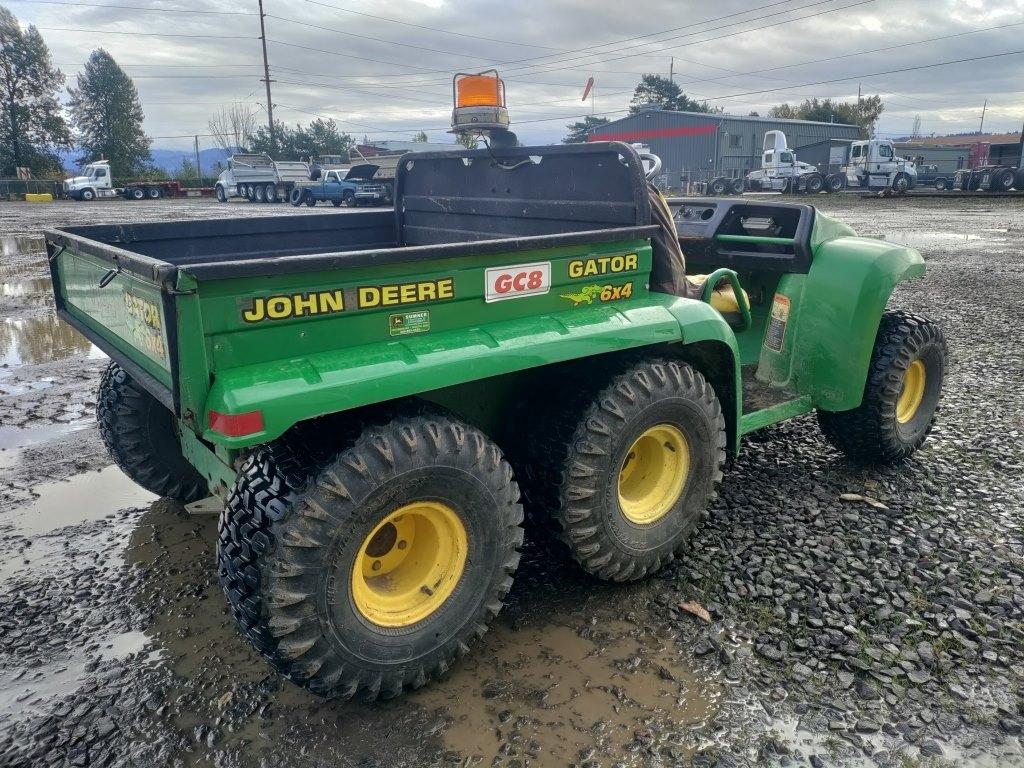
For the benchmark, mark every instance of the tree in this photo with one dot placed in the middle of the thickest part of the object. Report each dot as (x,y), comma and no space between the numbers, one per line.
(187,171)
(31,125)
(468,140)
(421,138)
(665,94)
(915,132)
(579,130)
(233,127)
(864,114)
(321,138)
(108,117)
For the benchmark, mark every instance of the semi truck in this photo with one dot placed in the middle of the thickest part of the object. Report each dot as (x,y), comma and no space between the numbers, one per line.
(867,164)
(260,179)
(96,181)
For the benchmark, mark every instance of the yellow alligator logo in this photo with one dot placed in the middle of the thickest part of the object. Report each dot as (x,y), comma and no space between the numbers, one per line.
(586,295)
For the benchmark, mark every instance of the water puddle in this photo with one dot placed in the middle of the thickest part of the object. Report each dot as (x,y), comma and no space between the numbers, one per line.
(83,498)
(925,239)
(13,440)
(554,693)
(35,340)
(16,245)
(27,287)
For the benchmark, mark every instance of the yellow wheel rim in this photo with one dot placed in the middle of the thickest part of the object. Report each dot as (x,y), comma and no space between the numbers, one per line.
(409,564)
(912,392)
(653,474)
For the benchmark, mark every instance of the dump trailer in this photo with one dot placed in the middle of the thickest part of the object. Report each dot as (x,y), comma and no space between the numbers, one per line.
(259,179)
(378,397)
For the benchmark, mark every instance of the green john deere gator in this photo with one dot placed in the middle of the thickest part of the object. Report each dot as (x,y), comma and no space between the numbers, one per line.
(376,396)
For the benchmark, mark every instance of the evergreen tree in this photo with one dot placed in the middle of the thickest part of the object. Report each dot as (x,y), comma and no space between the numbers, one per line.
(655,89)
(31,125)
(108,117)
(321,138)
(420,138)
(579,130)
(865,114)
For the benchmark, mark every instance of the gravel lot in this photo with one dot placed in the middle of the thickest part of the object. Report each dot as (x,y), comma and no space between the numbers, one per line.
(842,633)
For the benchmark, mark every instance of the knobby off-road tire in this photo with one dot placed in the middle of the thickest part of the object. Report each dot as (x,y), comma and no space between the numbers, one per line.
(142,439)
(901,396)
(579,458)
(297,527)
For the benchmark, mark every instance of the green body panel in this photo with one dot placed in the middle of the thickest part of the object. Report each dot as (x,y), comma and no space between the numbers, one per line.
(215,466)
(298,345)
(127,312)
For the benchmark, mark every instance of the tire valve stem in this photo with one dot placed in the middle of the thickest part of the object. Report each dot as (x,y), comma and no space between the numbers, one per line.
(427,591)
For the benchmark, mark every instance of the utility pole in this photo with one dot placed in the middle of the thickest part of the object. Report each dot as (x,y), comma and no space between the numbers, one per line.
(199,167)
(672,69)
(266,79)
(984,108)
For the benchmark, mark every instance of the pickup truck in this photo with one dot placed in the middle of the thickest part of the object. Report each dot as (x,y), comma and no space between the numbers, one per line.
(339,187)
(376,397)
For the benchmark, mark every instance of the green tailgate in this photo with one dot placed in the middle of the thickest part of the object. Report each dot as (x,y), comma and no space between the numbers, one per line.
(126,315)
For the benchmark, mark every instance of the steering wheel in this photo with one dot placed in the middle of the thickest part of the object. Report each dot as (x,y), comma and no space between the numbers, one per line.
(655,164)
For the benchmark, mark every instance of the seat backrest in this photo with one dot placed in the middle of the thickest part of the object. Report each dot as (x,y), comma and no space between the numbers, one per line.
(444,197)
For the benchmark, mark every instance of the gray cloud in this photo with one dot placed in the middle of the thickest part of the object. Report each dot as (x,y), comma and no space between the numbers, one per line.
(373,87)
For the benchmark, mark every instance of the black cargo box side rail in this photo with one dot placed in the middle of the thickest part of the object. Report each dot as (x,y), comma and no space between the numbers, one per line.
(262,267)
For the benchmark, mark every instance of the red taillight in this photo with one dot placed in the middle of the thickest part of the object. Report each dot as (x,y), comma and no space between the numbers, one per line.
(236,424)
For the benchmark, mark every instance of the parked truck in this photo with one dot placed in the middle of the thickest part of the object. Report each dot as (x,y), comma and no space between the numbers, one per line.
(340,187)
(259,179)
(96,181)
(989,178)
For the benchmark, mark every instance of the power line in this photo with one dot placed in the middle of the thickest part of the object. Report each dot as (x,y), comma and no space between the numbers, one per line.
(348,55)
(135,8)
(147,34)
(432,29)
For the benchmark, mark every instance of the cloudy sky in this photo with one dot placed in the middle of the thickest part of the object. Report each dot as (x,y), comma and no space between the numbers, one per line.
(384,69)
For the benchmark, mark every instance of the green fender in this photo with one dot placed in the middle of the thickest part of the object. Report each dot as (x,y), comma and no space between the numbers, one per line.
(844,295)
(300,388)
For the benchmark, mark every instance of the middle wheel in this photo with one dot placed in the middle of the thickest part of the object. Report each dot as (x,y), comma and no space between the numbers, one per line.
(640,464)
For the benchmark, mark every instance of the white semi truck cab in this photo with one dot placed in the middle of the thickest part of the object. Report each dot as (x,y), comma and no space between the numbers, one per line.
(94,182)
(874,164)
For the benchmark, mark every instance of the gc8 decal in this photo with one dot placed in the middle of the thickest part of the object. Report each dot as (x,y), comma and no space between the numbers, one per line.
(516,281)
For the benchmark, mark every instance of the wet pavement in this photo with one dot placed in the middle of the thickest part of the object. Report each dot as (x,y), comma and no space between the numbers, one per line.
(116,648)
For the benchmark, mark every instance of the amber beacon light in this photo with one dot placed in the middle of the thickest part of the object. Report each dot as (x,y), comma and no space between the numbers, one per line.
(479,102)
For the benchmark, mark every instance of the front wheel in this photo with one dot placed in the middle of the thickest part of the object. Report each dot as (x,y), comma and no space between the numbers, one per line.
(222,196)
(87,195)
(371,571)
(901,396)
(901,183)
(941,184)
(141,437)
(349,198)
(627,470)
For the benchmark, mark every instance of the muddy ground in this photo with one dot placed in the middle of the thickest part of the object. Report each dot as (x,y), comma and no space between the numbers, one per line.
(841,633)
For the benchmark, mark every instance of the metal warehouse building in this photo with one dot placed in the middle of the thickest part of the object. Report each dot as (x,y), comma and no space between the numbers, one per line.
(695,145)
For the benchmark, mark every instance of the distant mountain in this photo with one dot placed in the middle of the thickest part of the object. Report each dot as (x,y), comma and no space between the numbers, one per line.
(168,160)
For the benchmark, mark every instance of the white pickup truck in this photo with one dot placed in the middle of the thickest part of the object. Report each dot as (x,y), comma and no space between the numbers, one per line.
(260,179)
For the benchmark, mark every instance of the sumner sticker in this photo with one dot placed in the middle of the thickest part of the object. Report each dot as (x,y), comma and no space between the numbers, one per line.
(409,322)
(775,335)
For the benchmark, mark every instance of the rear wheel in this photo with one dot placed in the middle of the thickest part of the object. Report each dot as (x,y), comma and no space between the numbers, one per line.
(259,193)
(718,187)
(309,200)
(138,193)
(154,193)
(814,183)
(1018,180)
(270,193)
(626,471)
(941,184)
(1001,180)
(371,572)
(901,396)
(737,186)
(141,437)
(834,182)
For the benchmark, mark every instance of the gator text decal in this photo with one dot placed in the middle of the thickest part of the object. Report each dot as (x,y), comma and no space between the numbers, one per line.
(602,265)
